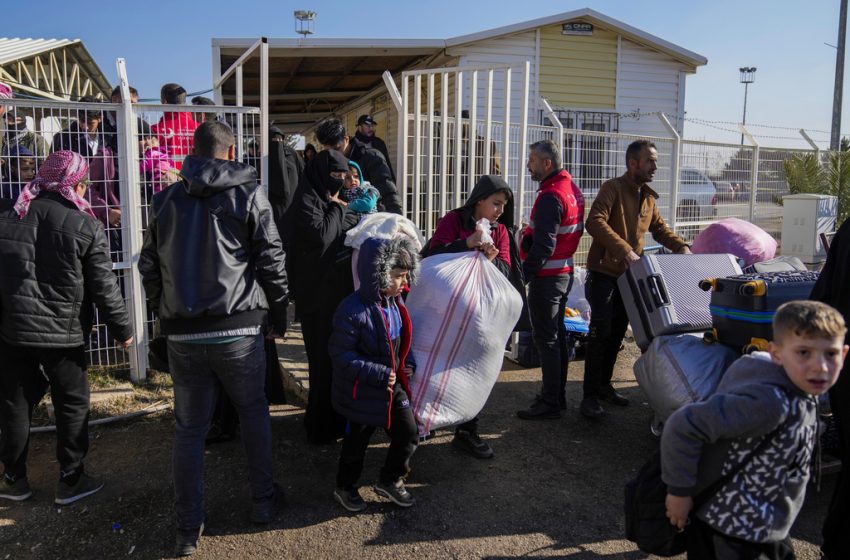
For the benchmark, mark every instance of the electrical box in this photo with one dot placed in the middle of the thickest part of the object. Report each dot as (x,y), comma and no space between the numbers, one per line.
(804,218)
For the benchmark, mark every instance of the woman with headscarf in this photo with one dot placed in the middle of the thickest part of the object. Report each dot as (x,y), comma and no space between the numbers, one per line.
(321,277)
(492,200)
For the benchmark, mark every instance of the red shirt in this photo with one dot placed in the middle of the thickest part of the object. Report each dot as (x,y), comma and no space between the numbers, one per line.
(176,135)
(450,229)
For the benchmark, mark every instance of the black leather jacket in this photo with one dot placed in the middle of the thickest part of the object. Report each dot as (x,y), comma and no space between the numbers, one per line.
(53,262)
(212,258)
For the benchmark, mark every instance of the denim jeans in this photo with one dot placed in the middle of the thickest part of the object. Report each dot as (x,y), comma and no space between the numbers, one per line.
(240,367)
(547,298)
(608,323)
(22,385)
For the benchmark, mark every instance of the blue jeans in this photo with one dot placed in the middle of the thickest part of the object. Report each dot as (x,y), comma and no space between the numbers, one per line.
(547,298)
(240,367)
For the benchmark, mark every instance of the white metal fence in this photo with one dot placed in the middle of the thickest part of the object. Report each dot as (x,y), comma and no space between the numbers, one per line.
(134,151)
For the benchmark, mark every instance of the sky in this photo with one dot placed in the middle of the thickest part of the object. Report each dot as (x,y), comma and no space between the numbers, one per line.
(167,41)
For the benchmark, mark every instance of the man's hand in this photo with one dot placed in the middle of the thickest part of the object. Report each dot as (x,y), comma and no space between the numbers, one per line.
(490,251)
(391,380)
(632,257)
(678,508)
(685,250)
(125,343)
(474,240)
(114,217)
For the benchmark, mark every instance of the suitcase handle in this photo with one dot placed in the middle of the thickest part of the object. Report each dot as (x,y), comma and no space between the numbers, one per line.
(659,294)
(644,295)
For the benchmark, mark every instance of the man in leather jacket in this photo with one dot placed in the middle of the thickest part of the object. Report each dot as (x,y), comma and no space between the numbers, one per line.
(213,269)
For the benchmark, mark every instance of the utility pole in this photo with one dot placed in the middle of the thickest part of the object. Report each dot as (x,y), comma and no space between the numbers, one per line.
(748,76)
(835,137)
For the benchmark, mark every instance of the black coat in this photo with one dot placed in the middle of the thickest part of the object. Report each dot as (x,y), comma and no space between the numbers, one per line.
(377,171)
(212,258)
(54,261)
(320,262)
(381,146)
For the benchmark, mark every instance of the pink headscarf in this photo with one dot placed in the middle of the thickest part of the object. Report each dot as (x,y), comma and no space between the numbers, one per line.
(5,91)
(59,173)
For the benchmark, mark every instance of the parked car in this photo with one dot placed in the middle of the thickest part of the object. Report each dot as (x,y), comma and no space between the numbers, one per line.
(724,192)
(697,195)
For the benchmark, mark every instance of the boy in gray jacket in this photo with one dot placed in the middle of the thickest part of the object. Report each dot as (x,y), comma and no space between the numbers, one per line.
(770,398)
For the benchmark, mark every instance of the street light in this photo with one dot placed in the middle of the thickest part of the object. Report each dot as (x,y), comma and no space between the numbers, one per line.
(304,21)
(748,76)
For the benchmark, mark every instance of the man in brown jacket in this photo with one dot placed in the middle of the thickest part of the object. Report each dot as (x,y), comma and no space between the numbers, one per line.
(621,215)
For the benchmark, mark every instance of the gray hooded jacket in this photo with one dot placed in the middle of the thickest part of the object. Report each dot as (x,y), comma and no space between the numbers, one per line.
(705,441)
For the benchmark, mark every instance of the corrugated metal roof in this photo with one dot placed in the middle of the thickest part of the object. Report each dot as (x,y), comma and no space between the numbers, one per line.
(16,49)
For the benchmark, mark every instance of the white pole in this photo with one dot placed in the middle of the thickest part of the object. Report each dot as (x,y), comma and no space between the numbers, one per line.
(131,230)
(506,140)
(675,157)
(239,101)
(458,137)
(404,146)
(473,133)
(523,134)
(488,125)
(417,147)
(429,200)
(444,141)
(264,112)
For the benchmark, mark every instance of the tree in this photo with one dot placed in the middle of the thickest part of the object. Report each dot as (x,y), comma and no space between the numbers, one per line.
(806,175)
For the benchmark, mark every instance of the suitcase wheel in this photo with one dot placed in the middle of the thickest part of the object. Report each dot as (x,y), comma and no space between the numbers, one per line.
(753,288)
(707,284)
(749,349)
(710,337)
(759,344)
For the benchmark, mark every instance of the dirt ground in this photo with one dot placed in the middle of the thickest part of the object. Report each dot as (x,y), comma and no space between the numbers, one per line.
(554,490)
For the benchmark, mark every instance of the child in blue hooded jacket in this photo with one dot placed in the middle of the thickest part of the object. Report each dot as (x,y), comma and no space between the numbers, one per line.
(372,366)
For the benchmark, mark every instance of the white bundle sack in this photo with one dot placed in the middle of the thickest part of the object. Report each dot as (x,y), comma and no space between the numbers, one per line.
(576,299)
(382,225)
(463,310)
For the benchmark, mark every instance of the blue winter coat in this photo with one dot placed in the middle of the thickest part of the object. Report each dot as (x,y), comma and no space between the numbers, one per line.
(360,343)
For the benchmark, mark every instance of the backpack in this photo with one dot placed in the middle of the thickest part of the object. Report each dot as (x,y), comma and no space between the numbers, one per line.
(646,512)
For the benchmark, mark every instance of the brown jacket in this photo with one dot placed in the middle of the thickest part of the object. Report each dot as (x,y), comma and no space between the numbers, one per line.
(618,222)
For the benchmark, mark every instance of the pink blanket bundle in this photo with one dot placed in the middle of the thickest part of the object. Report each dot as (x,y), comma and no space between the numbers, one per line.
(744,240)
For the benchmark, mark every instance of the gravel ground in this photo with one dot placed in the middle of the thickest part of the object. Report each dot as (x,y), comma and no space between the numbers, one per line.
(554,490)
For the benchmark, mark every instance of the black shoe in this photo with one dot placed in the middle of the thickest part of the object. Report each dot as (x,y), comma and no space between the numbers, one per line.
(350,499)
(539,411)
(70,493)
(611,395)
(17,489)
(263,511)
(187,541)
(471,443)
(395,492)
(591,408)
(562,401)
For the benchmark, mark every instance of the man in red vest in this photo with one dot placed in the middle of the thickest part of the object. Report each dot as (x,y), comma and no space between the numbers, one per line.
(622,214)
(547,248)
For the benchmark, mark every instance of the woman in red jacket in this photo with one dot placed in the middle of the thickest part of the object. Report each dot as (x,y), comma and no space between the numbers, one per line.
(492,199)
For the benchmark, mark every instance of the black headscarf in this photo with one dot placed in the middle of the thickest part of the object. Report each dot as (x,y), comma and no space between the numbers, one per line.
(319,169)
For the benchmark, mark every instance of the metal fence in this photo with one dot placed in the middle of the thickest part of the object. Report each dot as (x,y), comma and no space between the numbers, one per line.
(134,151)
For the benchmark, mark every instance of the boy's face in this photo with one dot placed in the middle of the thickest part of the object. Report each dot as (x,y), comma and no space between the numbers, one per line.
(352,179)
(811,363)
(398,280)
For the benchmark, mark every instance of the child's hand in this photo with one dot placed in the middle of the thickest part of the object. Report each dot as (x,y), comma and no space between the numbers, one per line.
(408,371)
(490,251)
(391,379)
(678,508)
(474,240)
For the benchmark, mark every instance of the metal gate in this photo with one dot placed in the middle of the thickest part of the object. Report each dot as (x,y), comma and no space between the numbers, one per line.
(455,125)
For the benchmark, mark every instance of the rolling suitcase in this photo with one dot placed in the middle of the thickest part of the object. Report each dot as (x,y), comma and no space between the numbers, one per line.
(662,295)
(742,307)
(779,264)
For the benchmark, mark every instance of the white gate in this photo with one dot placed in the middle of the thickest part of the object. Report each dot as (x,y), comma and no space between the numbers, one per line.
(439,161)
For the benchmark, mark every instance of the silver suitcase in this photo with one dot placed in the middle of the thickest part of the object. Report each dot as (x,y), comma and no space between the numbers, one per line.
(661,293)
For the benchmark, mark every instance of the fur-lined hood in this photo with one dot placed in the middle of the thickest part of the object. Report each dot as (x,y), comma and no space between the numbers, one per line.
(378,257)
